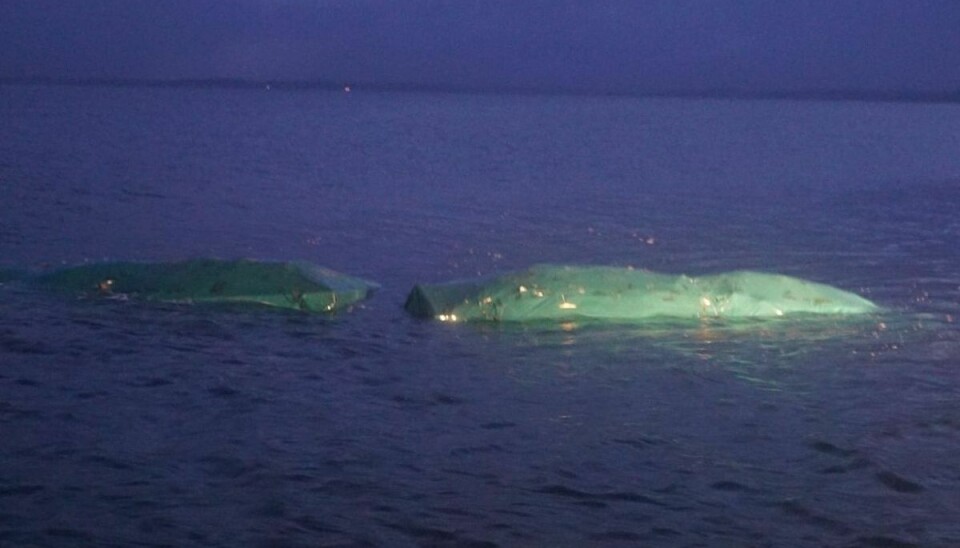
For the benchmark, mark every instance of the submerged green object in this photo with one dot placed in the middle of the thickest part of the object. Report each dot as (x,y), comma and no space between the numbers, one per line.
(293,285)
(554,292)
(11,275)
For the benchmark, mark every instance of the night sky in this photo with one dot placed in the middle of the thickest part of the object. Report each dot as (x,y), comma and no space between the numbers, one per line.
(615,45)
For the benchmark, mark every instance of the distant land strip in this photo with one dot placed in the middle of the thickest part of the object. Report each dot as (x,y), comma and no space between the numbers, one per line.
(706,93)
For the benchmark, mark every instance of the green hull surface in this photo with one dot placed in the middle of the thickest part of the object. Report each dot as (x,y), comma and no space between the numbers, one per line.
(11,275)
(294,285)
(562,293)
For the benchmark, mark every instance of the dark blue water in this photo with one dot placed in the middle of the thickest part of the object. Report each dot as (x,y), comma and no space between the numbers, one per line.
(124,423)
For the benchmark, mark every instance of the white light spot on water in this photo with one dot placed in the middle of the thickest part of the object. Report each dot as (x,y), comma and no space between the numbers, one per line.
(447,317)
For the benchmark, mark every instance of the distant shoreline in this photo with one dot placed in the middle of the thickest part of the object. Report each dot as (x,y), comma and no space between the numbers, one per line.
(305,85)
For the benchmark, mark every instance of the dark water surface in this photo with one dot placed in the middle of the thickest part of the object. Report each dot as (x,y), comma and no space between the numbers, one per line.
(128,424)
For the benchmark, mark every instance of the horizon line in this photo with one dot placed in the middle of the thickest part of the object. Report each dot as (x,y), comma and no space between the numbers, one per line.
(811,94)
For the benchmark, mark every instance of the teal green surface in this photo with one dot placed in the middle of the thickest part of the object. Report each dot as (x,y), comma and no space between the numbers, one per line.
(294,285)
(11,275)
(556,292)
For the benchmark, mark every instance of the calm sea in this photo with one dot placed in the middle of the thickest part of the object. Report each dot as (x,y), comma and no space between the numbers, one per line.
(127,424)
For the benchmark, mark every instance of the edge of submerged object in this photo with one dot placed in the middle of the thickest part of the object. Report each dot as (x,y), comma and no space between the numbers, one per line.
(548,292)
(291,285)
(8,275)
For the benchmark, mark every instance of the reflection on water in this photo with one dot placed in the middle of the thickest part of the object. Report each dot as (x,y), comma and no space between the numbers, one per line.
(225,426)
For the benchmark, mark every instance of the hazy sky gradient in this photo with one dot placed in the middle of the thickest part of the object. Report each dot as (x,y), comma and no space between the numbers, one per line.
(584,44)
